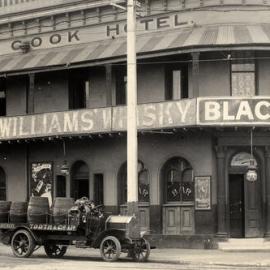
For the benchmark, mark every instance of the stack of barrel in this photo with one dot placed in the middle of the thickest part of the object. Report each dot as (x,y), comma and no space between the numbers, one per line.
(37,211)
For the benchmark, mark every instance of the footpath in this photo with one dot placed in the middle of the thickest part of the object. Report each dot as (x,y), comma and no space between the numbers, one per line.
(212,257)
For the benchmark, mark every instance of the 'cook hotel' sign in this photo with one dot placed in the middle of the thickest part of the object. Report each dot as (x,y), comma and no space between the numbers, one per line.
(94,33)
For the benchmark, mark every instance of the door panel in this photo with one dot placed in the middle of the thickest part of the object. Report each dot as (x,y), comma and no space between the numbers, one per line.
(178,220)
(245,207)
(171,220)
(252,209)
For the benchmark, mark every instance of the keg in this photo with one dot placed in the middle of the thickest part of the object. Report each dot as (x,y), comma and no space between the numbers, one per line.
(4,211)
(60,209)
(38,210)
(18,212)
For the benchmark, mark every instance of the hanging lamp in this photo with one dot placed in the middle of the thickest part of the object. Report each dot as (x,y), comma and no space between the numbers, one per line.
(251,174)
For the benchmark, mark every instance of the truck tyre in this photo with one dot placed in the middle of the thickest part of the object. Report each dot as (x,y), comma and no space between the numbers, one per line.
(22,244)
(141,250)
(55,251)
(110,249)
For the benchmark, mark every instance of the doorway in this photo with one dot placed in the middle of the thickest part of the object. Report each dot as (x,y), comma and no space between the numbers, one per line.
(237,205)
(244,198)
(79,180)
(81,188)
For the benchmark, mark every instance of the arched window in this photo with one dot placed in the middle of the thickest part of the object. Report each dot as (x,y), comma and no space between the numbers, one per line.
(177,176)
(79,180)
(3,189)
(143,183)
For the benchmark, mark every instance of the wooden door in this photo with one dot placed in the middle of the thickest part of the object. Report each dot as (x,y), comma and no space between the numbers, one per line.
(237,207)
(253,209)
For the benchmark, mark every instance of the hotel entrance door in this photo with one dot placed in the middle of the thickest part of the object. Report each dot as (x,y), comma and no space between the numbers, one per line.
(244,207)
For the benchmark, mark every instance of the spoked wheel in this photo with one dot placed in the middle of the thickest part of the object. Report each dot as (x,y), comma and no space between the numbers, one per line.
(141,250)
(55,251)
(22,244)
(110,249)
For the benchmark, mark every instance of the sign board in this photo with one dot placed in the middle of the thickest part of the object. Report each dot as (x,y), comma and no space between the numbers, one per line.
(92,33)
(233,111)
(58,123)
(203,193)
(89,121)
(42,180)
(159,115)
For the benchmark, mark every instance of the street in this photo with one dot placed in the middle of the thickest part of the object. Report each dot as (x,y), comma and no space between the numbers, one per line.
(90,259)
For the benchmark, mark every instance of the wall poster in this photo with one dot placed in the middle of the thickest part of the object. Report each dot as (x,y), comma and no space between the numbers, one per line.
(202,192)
(42,180)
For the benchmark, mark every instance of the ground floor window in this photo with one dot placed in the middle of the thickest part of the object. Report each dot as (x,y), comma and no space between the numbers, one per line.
(178,182)
(143,183)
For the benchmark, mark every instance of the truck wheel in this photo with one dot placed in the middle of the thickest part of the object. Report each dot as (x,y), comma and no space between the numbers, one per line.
(141,250)
(110,249)
(55,251)
(22,244)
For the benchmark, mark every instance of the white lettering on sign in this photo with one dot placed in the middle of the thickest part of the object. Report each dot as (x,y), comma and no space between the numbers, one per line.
(52,227)
(212,111)
(232,110)
(259,110)
(150,116)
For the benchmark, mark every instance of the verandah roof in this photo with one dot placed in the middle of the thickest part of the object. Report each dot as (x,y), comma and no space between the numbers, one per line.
(183,40)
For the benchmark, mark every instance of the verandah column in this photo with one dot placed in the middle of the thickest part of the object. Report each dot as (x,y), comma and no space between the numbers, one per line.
(221,192)
(267,187)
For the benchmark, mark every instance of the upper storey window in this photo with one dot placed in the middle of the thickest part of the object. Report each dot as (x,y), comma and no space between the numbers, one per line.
(2,97)
(121,86)
(243,78)
(78,89)
(176,82)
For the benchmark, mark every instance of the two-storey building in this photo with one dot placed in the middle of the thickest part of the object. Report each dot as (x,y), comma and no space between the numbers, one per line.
(204,98)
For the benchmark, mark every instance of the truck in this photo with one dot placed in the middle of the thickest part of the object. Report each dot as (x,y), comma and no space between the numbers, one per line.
(85,227)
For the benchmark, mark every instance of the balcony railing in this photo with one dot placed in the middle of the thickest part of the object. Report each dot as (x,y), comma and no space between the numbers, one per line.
(14,6)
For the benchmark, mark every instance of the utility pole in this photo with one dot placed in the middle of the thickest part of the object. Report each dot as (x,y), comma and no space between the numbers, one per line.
(132,138)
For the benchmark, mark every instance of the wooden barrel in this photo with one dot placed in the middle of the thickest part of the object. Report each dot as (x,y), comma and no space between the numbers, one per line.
(38,210)
(18,212)
(60,209)
(4,211)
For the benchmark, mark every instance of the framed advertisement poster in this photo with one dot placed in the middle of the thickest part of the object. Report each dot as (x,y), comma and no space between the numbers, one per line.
(203,193)
(41,180)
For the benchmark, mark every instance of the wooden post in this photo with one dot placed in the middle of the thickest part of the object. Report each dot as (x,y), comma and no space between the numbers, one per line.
(195,73)
(267,187)
(221,192)
(108,85)
(31,94)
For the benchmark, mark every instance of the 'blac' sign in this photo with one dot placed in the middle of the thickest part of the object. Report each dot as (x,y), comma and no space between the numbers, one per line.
(233,110)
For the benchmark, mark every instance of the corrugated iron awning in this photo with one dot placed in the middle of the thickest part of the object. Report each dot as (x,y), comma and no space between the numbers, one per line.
(195,37)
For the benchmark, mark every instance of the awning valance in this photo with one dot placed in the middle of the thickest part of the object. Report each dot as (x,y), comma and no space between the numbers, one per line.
(180,39)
